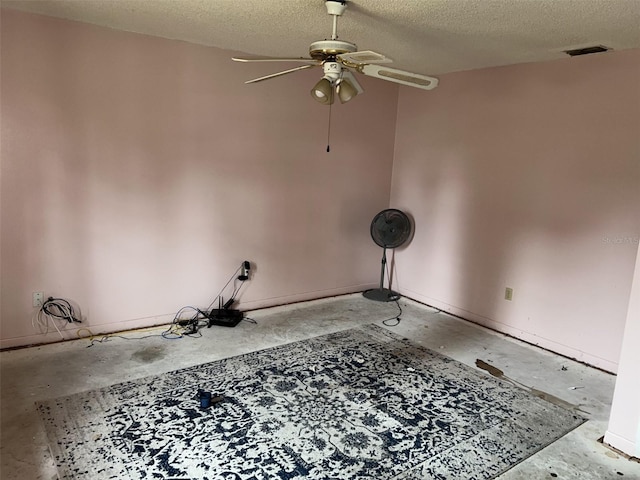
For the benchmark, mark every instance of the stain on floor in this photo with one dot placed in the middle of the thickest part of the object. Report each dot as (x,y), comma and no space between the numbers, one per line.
(149,354)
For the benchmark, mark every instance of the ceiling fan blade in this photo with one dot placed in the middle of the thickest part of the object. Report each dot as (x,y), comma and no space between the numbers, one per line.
(278,74)
(273,59)
(399,76)
(364,57)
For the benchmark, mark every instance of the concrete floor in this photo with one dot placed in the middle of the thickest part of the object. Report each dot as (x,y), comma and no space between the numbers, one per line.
(39,373)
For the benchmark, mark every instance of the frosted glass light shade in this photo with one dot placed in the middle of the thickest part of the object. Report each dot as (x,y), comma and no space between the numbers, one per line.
(346,91)
(323,92)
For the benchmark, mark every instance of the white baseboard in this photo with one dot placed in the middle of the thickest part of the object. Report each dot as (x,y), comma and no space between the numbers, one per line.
(84,331)
(523,335)
(623,444)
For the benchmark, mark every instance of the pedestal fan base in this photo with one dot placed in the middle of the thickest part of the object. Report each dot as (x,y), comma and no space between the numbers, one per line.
(381,295)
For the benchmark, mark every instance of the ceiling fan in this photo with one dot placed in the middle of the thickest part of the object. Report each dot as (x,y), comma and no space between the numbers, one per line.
(337,57)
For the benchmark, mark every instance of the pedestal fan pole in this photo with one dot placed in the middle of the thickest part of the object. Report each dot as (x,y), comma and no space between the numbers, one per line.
(384,264)
(381,294)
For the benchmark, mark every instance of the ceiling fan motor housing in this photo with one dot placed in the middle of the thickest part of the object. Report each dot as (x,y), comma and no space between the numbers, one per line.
(322,49)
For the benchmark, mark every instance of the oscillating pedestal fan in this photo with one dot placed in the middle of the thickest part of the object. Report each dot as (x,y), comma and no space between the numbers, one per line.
(389,229)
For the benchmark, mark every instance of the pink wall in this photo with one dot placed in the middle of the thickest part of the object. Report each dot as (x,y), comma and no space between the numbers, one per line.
(526,177)
(138,172)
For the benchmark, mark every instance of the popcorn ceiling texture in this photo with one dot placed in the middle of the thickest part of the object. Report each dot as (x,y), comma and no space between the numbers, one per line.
(424,36)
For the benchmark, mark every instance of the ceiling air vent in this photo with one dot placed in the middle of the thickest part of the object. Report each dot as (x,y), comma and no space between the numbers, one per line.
(586,50)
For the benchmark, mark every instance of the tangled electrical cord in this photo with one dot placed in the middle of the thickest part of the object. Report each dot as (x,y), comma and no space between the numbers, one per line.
(190,326)
(180,327)
(93,339)
(396,317)
(185,327)
(243,277)
(53,311)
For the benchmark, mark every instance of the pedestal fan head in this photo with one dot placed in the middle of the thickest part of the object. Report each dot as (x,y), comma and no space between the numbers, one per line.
(390,228)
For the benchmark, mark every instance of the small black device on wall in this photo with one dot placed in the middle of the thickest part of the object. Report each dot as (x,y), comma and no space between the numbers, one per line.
(244,271)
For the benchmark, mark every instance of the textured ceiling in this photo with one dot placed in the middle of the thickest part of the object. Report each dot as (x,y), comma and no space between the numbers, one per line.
(423,36)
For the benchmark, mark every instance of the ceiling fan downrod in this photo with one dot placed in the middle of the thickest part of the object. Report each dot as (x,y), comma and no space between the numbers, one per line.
(335,8)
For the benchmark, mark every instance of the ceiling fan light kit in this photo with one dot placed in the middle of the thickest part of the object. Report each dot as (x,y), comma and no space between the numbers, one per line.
(335,79)
(336,58)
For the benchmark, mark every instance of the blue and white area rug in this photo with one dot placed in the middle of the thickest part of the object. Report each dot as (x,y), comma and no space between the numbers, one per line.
(358,404)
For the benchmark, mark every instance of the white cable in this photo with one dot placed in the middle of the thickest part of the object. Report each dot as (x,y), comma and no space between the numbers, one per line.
(53,320)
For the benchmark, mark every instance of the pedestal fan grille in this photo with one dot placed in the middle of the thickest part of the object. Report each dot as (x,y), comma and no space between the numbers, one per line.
(390,228)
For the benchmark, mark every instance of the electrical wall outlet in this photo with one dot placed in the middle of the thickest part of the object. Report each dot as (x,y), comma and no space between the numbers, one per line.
(38,299)
(508,293)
